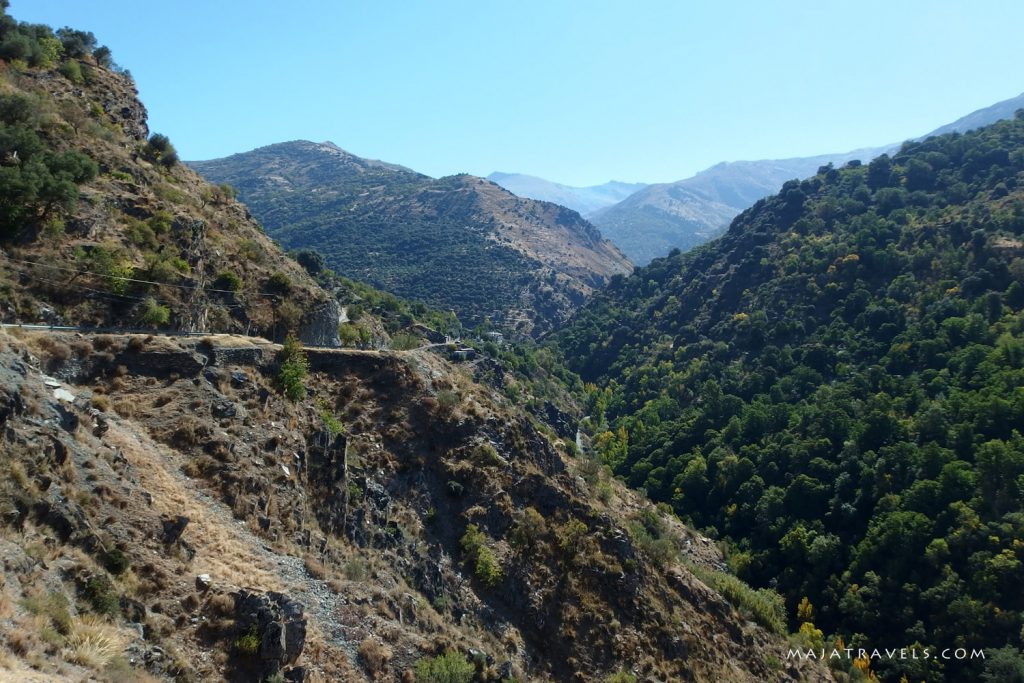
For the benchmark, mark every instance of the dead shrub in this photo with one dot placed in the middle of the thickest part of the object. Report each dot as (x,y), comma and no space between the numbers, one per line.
(82,348)
(375,655)
(222,604)
(189,432)
(106,342)
(55,351)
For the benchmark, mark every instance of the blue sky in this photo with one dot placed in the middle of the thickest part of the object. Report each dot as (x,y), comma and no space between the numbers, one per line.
(576,92)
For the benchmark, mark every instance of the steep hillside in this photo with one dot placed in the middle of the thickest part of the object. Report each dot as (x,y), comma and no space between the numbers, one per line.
(142,241)
(169,513)
(459,243)
(689,212)
(584,200)
(836,387)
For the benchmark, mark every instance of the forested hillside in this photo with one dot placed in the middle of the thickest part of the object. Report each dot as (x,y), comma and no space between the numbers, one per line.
(460,243)
(836,389)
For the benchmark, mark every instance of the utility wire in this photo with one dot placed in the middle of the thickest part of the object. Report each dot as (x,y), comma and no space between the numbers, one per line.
(129,279)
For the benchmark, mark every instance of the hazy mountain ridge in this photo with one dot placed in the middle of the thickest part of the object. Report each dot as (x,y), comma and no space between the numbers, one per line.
(689,212)
(584,200)
(982,117)
(459,242)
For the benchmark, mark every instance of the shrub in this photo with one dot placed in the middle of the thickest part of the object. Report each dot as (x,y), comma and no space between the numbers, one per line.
(485,455)
(248,644)
(487,568)
(764,605)
(160,150)
(403,341)
(229,280)
(72,71)
(447,400)
(620,677)
(115,562)
(451,667)
(485,565)
(101,594)
(160,221)
(279,283)
(530,527)
(356,569)
(293,369)
(154,314)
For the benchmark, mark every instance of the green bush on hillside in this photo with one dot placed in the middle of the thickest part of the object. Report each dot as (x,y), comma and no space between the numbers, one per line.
(451,667)
(294,367)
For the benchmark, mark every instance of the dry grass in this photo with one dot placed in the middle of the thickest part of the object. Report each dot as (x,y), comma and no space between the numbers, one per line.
(375,655)
(93,643)
(221,550)
(315,568)
(50,348)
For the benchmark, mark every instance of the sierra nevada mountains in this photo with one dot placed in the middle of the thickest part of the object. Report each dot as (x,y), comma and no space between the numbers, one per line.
(663,216)
(459,242)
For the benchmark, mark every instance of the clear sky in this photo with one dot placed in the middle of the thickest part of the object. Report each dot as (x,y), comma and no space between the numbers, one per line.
(576,92)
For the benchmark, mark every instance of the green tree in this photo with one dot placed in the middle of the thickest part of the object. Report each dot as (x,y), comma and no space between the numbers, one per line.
(293,369)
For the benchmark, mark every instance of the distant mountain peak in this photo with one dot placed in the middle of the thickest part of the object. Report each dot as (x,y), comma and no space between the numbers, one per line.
(584,200)
(689,212)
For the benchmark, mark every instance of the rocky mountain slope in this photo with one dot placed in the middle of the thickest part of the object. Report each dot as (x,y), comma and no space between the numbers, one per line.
(685,213)
(168,513)
(142,242)
(459,243)
(584,200)
(835,387)
(221,507)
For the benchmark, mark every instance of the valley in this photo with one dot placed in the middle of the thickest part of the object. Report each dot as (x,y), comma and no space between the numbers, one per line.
(296,415)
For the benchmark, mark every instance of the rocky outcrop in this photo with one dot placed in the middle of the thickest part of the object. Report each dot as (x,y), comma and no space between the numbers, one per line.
(232,355)
(270,633)
(162,363)
(320,326)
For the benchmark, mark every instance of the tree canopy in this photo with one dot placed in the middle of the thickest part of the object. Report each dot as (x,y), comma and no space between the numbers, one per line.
(836,388)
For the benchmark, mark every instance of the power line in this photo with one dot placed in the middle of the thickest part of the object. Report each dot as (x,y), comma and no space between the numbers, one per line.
(145,282)
(112,295)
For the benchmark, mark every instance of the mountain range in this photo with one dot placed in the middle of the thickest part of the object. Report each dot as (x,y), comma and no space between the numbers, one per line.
(584,200)
(682,214)
(460,242)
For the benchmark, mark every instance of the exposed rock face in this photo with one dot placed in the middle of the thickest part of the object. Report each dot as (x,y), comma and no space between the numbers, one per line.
(233,355)
(277,623)
(320,326)
(162,363)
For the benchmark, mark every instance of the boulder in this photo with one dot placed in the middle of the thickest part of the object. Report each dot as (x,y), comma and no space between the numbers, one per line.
(320,326)
(279,626)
